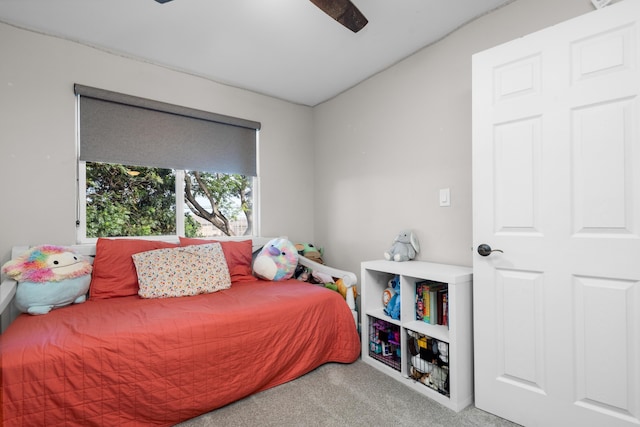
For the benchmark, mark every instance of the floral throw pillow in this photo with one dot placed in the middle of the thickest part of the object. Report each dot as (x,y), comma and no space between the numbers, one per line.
(182,271)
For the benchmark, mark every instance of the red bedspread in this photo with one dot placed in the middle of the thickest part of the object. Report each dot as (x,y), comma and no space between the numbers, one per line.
(131,361)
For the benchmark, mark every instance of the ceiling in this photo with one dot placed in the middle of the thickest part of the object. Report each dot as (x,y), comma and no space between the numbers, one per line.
(287,49)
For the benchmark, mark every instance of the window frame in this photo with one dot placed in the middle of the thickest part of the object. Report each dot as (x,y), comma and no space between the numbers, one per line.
(81,217)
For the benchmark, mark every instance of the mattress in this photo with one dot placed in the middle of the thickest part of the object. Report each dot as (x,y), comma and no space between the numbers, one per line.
(130,361)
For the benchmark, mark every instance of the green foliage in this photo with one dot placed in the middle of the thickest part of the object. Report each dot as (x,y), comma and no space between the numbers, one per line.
(140,201)
(191,227)
(129,201)
(230,192)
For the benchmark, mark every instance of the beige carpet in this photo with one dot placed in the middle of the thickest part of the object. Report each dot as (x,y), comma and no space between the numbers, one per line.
(343,395)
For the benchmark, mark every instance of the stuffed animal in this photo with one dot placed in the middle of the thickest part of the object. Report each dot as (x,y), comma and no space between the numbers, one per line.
(308,250)
(405,247)
(276,261)
(49,277)
(428,363)
(305,274)
(342,289)
(391,298)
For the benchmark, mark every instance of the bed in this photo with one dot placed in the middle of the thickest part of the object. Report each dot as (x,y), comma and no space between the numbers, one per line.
(130,361)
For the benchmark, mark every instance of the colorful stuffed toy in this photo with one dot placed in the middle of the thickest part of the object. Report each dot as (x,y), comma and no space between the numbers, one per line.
(391,298)
(308,250)
(49,277)
(276,261)
(342,289)
(305,274)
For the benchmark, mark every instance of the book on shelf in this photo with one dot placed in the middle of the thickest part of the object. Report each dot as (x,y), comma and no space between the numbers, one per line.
(433,299)
(423,306)
(445,309)
(432,302)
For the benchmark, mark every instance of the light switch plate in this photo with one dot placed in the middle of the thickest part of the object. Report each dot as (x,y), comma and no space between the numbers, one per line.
(445,197)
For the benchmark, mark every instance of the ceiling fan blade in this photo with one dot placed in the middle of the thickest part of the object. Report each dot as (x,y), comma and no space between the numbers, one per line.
(344,12)
(163,1)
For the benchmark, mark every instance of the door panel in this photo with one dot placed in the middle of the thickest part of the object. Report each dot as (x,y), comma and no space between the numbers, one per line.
(602,173)
(556,186)
(520,341)
(517,175)
(616,390)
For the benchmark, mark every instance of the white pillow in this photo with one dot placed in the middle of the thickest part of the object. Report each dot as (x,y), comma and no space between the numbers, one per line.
(182,271)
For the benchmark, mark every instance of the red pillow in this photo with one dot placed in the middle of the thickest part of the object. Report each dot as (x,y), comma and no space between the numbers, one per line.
(237,253)
(114,273)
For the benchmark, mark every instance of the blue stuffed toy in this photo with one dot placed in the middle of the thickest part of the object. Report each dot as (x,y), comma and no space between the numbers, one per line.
(49,277)
(391,298)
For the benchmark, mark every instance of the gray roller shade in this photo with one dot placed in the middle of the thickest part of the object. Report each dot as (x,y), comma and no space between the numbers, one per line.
(124,129)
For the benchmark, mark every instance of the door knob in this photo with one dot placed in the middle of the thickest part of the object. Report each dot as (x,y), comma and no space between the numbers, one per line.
(485,250)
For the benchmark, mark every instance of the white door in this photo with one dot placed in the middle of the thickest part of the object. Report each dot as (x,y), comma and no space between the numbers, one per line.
(556,187)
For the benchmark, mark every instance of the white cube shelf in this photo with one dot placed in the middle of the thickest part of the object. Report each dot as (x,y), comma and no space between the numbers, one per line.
(458,334)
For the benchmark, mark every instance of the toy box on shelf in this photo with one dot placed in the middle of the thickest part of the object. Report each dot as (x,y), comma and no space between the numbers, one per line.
(428,361)
(384,342)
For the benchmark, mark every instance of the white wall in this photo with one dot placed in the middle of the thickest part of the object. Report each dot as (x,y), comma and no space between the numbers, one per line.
(386,147)
(382,150)
(37,135)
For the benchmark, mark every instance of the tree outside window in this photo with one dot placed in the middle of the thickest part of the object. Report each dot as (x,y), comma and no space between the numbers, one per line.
(141,201)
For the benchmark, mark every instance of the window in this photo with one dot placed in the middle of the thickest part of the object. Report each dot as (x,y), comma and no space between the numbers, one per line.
(123,200)
(152,169)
